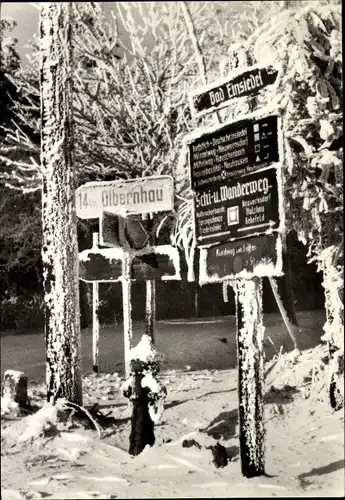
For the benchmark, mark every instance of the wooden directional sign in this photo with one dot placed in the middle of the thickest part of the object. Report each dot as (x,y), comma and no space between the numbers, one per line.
(235,180)
(105,265)
(136,196)
(132,232)
(152,267)
(123,232)
(256,256)
(101,265)
(221,93)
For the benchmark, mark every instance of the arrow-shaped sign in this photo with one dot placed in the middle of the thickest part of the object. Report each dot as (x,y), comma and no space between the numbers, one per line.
(214,235)
(271,223)
(242,82)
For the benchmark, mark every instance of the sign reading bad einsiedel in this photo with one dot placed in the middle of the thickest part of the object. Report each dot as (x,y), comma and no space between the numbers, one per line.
(220,93)
(235,181)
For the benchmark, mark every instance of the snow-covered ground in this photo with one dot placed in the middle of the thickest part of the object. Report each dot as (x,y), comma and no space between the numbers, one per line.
(304,441)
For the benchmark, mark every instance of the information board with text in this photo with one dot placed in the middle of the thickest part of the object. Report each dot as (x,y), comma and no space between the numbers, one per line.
(234,180)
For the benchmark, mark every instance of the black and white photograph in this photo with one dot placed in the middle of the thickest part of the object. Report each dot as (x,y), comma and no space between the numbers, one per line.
(171,249)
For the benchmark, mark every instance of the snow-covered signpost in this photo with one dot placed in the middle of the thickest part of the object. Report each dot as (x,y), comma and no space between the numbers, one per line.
(122,208)
(235,174)
(60,246)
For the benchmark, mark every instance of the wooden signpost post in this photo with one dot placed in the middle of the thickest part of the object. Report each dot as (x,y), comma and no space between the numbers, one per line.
(235,173)
(95,317)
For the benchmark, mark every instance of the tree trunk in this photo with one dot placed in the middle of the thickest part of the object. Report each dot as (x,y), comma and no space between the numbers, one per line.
(60,245)
(150,313)
(250,375)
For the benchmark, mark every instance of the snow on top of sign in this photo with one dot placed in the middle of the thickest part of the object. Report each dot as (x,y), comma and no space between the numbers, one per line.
(109,253)
(119,182)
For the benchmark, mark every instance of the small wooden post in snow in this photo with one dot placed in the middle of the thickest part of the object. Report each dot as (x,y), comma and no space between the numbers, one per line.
(127,310)
(250,332)
(95,319)
(289,326)
(150,309)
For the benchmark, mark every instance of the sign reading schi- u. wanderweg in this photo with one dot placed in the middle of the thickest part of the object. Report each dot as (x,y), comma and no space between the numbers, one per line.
(222,92)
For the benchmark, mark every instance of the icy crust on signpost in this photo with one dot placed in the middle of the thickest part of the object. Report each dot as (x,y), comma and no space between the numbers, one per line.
(150,360)
(60,247)
(250,336)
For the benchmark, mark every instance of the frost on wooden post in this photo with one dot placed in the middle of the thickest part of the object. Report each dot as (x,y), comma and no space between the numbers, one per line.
(60,248)
(250,331)
(146,393)
(150,310)
(127,309)
(95,325)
